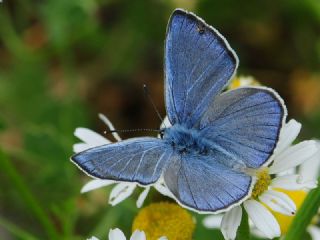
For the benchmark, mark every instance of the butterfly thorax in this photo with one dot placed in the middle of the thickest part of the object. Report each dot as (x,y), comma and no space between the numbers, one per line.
(185,140)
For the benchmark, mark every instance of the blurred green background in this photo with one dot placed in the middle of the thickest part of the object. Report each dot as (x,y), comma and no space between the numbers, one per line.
(64,61)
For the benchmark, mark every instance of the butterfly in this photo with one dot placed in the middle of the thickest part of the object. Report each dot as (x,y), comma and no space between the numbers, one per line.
(214,137)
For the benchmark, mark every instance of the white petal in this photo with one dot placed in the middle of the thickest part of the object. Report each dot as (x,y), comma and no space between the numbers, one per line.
(163,238)
(120,192)
(288,172)
(90,137)
(161,188)
(310,169)
(288,134)
(142,197)
(79,147)
(256,232)
(94,184)
(138,235)
(116,234)
(262,218)
(294,156)
(110,126)
(293,182)
(230,223)
(93,238)
(278,202)
(314,232)
(213,221)
(166,123)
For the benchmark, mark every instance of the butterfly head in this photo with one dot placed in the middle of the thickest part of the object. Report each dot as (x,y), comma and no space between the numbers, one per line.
(161,132)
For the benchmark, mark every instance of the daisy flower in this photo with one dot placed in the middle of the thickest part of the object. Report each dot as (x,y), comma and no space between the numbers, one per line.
(117,234)
(243,81)
(161,221)
(309,171)
(121,190)
(269,193)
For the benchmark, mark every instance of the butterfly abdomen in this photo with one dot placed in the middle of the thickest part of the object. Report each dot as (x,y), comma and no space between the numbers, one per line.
(185,141)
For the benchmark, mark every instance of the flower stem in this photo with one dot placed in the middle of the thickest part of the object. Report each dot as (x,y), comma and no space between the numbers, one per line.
(304,215)
(15,230)
(244,230)
(8,168)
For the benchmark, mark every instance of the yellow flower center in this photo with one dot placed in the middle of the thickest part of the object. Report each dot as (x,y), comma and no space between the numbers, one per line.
(164,219)
(243,82)
(284,220)
(262,184)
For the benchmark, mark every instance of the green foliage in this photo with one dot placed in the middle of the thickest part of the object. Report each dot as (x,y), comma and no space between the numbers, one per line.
(244,231)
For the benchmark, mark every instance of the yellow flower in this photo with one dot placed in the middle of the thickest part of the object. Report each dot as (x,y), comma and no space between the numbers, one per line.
(243,81)
(262,184)
(164,219)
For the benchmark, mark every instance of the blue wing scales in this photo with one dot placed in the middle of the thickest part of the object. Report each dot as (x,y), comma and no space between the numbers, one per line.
(139,160)
(198,64)
(204,184)
(244,125)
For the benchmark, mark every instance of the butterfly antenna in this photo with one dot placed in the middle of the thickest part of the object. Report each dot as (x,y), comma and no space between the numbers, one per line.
(131,130)
(146,93)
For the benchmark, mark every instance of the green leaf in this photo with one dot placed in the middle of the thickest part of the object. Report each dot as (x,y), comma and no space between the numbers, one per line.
(19,184)
(15,230)
(244,230)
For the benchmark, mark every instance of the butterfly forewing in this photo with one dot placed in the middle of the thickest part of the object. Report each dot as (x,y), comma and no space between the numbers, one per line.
(198,64)
(138,160)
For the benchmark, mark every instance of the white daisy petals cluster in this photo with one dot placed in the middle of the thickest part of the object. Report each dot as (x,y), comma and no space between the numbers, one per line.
(285,158)
(122,190)
(309,171)
(117,234)
(314,232)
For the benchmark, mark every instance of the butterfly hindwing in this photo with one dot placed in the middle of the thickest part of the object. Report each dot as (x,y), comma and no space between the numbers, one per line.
(244,125)
(140,160)
(198,64)
(203,184)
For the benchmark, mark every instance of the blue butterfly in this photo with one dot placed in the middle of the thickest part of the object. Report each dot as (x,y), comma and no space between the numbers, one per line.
(215,137)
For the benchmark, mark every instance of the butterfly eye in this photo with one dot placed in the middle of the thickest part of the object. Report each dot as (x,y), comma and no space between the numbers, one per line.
(161,132)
